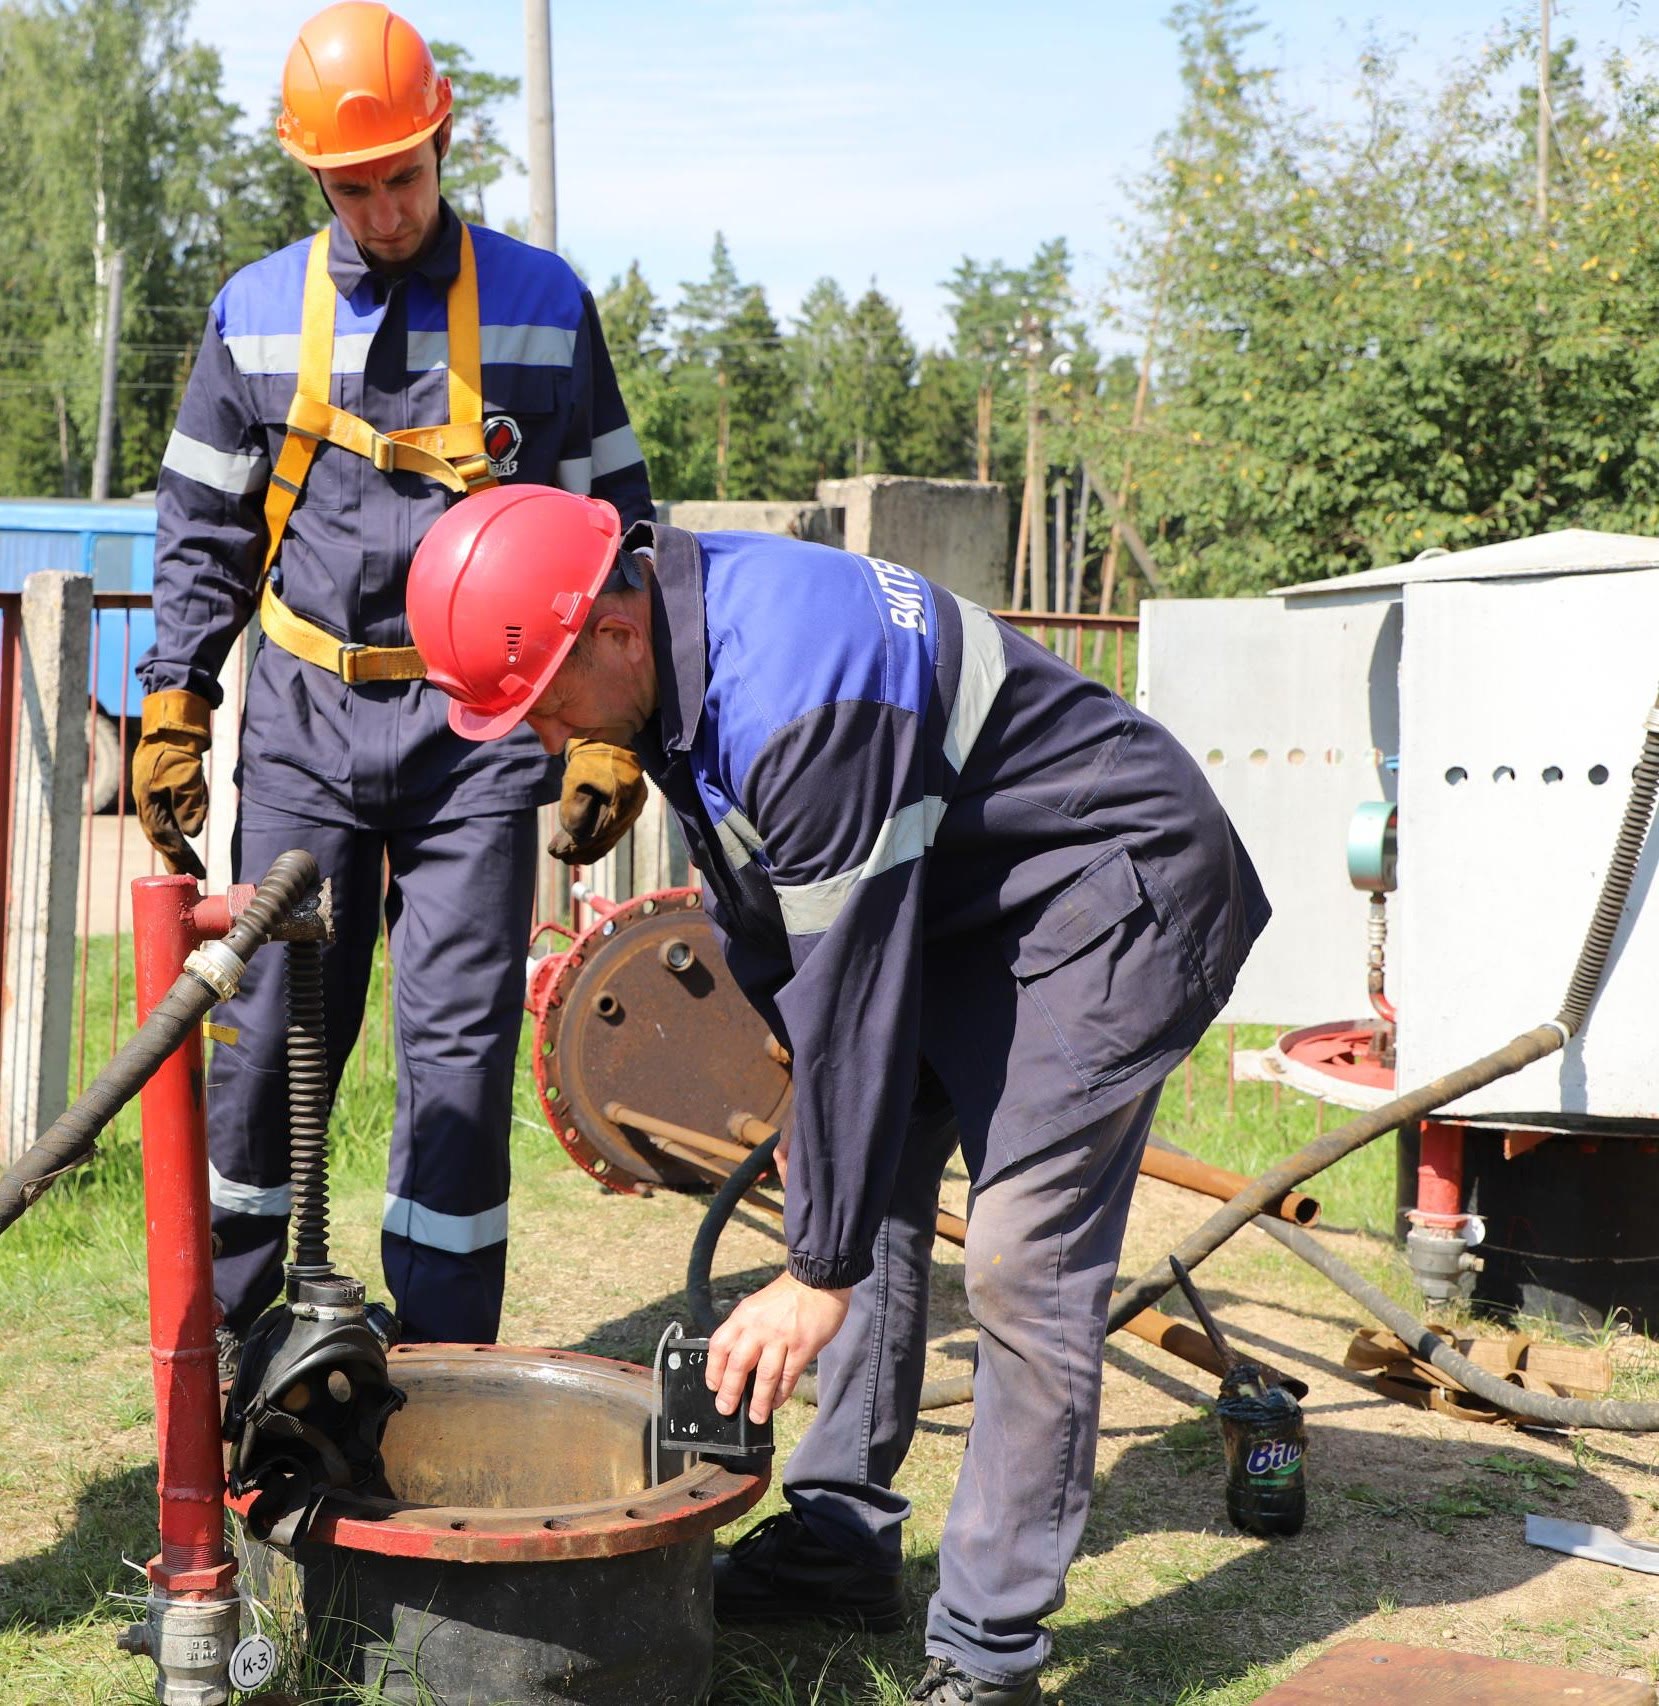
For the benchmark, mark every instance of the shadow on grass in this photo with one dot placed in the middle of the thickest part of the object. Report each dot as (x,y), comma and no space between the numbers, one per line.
(1377,1539)
(1216,1615)
(114,1527)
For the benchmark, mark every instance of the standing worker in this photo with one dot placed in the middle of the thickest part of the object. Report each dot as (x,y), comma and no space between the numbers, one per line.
(348,389)
(955,877)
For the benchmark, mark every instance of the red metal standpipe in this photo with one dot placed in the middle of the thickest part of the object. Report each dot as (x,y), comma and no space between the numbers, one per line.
(1439,1244)
(1439,1176)
(193,1559)
(193,1613)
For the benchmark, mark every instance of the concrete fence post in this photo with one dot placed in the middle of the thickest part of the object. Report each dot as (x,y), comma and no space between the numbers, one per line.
(37,1001)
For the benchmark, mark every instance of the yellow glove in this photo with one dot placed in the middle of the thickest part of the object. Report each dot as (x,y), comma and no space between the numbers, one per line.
(603,793)
(167,781)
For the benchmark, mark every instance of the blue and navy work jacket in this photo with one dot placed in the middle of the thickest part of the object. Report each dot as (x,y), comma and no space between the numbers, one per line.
(928,840)
(552,415)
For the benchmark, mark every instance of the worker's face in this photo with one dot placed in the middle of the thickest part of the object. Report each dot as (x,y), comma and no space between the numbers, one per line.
(605,690)
(390,206)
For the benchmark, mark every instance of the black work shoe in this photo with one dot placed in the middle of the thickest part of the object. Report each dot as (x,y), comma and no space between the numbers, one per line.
(778,1573)
(230,1352)
(945,1683)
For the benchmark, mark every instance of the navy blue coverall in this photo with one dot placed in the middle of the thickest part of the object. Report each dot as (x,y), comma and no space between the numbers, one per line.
(371,773)
(956,877)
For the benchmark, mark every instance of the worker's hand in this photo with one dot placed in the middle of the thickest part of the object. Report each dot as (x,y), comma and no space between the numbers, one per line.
(780,1158)
(168,786)
(776,1332)
(603,793)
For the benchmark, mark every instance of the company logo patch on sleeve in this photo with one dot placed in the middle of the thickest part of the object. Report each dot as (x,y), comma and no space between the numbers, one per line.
(902,589)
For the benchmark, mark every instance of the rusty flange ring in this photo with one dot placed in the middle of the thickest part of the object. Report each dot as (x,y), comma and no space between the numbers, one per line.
(472,1403)
(641,1009)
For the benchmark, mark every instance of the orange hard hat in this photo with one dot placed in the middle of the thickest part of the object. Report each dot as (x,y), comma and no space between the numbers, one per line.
(359,84)
(498,591)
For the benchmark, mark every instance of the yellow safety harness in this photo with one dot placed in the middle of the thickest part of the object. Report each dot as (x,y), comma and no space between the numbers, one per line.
(452,454)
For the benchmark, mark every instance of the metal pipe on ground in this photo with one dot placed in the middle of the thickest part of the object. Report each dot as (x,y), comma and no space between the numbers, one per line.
(1160,1161)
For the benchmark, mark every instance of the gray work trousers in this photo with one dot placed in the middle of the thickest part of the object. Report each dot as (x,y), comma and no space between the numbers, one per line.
(1042,1252)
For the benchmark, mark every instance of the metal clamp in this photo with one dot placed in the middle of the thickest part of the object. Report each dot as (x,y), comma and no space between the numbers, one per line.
(217,966)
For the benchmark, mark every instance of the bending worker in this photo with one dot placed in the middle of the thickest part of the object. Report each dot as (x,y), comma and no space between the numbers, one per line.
(956,878)
(348,389)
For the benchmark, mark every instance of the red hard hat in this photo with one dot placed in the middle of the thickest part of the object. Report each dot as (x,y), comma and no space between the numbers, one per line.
(359,84)
(499,590)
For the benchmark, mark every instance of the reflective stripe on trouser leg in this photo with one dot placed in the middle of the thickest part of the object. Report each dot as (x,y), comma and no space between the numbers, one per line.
(839,1478)
(247,1082)
(1043,1242)
(459,905)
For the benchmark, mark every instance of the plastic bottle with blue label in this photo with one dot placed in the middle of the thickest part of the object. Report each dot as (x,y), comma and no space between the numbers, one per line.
(1264,1438)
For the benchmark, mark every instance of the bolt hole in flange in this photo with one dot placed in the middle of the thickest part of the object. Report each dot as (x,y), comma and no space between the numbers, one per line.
(606,1005)
(677,955)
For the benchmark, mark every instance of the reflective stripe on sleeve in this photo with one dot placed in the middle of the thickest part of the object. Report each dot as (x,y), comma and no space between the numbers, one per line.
(810,908)
(460,1234)
(235,472)
(576,475)
(616,449)
(237,1198)
(984,669)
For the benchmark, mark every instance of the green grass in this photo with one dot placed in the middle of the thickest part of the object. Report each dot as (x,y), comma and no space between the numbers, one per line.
(1166,1607)
(1267,1123)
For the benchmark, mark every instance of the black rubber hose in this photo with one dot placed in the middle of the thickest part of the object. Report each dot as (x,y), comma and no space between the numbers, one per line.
(699,1286)
(308,1104)
(936,1394)
(1615,886)
(1516,1400)
(1144,1291)
(290,879)
(71,1137)
(1542,1040)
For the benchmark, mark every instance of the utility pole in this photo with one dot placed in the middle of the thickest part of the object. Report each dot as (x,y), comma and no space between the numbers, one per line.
(538,101)
(106,394)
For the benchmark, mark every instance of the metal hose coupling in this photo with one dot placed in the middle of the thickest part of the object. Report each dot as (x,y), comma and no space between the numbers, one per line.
(218,967)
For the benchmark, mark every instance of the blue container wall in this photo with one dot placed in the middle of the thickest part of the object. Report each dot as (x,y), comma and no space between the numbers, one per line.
(115,544)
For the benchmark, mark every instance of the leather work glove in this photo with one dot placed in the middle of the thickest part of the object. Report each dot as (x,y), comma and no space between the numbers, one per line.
(604,791)
(167,781)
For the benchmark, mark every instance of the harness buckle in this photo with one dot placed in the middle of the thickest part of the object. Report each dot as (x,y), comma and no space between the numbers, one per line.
(383,453)
(475,471)
(345,661)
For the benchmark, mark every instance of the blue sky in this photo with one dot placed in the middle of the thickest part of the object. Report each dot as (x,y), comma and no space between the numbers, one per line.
(866,140)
